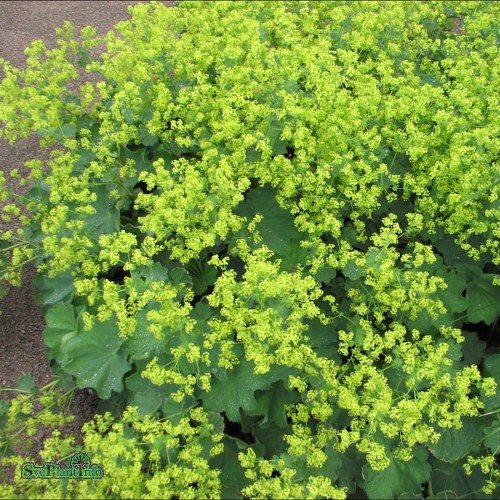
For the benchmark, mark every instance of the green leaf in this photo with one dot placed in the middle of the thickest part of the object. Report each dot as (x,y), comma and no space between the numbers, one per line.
(333,465)
(395,375)
(302,471)
(62,326)
(330,469)
(325,274)
(147,396)
(291,86)
(350,235)
(180,276)
(452,253)
(140,162)
(236,390)
(142,344)
(175,411)
(277,227)
(156,272)
(400,477)
(352,270)
(206,442)
(115,405)
(375,257)
(85,121)
(145,137)
(445,495)
(201,311)
(295,255)
(66,131)
(271,405)
(26,382)
(202,275)
(272,131)
(271,438)
(96,360)
(456,443)
(106,219)
(412,496)
(449,480)
(320,335)
(452,297)
(4,409)
(322,339)
(492,436)
(65,382)
(252,155)
(483,298)
(49,291)
(483,301)
(473,348)
(85,156)
(492,369)
(232,476)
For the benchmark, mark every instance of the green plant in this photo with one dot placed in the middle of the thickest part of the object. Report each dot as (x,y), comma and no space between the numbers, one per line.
(269,237)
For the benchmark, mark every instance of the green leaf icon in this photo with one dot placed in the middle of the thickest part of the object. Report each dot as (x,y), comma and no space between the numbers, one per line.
(80,460)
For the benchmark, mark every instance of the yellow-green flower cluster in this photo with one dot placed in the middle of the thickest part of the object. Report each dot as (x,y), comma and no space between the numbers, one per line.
(176,454)
(375,125)
(285,483)
(264,312)
(186,474)
(489,467)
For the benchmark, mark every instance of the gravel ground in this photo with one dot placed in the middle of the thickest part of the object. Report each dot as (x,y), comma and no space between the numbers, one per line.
(21,321)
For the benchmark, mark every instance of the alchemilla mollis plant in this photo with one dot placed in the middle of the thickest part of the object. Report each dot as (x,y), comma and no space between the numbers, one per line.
(268,238)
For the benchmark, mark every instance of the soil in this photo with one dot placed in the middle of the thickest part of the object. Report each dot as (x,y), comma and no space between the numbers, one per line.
(21,321)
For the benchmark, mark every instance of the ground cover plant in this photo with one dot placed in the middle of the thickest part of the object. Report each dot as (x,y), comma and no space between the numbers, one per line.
(268,239)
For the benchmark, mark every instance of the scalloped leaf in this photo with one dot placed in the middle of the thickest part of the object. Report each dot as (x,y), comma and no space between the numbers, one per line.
(145,395)
(232,476)
(62,326)
(26,382)
(398,478)
(491,366)
(492,436)
(472,348)
(452,297)
(449,481)
(483,300)
(106,219)
(202,275)
(271,405)
(236,389)
(456,443)
(277,227)
(49,291)
(93,357)
(482,296)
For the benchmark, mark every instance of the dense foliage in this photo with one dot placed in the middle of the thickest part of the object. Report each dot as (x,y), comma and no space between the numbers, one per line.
(269,238)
